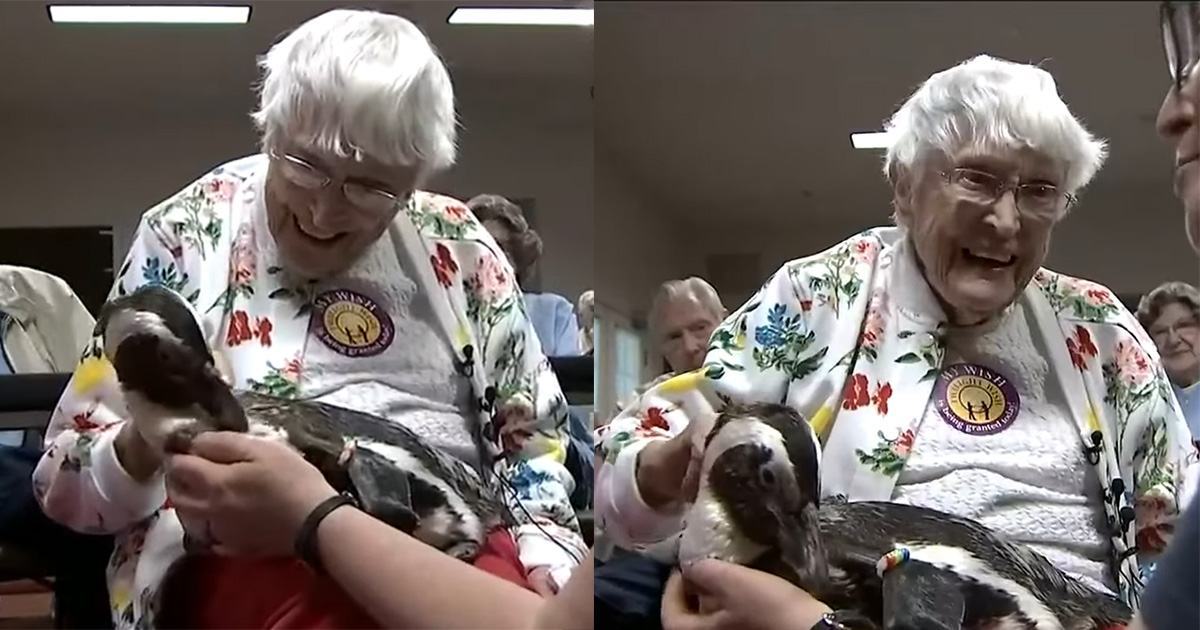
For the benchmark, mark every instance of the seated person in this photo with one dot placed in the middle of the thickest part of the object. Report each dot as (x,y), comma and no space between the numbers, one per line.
(552,315)
(585,315)
(42,327)
(871,340)
(329,222)
(683,316)
(1171,314)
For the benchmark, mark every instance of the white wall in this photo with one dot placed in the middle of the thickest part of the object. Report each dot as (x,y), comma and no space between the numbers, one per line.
(638,244)
(76,166)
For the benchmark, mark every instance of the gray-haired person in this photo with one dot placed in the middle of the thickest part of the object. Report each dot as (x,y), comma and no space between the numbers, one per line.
(1171,314)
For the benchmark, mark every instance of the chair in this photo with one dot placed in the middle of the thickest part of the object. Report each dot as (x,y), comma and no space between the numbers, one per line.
(26,401)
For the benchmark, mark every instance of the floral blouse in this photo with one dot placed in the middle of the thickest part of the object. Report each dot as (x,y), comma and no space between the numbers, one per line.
(203,243)
(853,338)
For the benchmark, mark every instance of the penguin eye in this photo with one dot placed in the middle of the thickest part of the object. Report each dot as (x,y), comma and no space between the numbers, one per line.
(767,477)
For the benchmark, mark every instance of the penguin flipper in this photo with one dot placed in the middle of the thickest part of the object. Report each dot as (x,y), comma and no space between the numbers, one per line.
(920,596)
(382,489)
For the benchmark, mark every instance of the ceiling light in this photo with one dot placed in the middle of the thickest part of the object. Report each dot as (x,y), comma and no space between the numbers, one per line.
(871,140)
(525,16)
(146,14)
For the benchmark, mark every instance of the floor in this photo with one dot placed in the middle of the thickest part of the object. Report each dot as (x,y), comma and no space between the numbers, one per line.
(25,604)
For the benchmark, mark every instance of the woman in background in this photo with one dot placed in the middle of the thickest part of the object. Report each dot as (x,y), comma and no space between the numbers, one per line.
(1171,314)
(552,315)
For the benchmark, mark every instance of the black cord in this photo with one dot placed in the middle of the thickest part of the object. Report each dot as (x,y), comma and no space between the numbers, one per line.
(516,497)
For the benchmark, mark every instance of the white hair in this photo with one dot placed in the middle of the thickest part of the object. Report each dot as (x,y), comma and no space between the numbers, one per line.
(694,288)
(988,103)
(355,83)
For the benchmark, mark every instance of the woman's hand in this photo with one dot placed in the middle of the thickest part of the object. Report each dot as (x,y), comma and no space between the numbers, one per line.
(669,470)
(735,597)
(249,495)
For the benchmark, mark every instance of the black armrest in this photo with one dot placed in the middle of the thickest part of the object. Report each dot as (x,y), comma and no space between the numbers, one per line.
(575,374)
(31,392)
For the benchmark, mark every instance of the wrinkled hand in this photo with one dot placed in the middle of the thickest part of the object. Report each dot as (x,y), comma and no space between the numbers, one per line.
(733,597)
(250,494)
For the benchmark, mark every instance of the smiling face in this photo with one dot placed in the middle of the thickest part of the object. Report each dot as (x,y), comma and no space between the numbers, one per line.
(1176,332)
(976,257)
(319,233)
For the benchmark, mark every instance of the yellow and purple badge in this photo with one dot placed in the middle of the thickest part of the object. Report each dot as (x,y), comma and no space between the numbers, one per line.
(352,324)
(975,399)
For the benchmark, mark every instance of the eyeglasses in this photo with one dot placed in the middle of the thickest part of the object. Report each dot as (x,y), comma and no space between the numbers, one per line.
(1038,200)
(370,198)
(1161,334)
(1181,38)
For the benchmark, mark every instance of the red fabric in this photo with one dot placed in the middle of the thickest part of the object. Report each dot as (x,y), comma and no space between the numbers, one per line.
(277,593)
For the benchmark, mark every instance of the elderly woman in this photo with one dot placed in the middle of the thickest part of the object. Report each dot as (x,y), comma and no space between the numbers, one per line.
(585,316)
(682,318)
(277,252)
(552,315)
(1171,313)
(939,364)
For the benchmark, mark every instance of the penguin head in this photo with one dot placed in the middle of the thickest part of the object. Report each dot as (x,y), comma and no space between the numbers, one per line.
(760,467)
(164,365)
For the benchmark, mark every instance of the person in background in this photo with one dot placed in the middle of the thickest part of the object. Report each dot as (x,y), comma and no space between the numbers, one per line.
(551,314)
(1171,599)
(320,268)
(1171,314)
(683,315)
(42,327)
(585,314)
(682,318)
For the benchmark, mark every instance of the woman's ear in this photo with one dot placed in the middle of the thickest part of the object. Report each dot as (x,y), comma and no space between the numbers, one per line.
(902,195)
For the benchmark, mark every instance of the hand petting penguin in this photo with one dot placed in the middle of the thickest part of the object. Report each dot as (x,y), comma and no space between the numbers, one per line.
(877,564)
(174,391)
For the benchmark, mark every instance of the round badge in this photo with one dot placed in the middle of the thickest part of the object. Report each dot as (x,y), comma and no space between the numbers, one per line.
(352,324)
(976,400)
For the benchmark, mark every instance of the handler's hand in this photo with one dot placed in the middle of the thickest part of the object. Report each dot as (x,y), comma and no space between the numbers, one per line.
(733,597)
(249,495)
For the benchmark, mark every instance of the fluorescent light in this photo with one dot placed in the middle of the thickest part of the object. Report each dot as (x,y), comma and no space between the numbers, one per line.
(525,16)
(871,140)
(146,14)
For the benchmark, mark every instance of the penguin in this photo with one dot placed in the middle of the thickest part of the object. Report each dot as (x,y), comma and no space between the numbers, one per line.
(887,565)
(168,375)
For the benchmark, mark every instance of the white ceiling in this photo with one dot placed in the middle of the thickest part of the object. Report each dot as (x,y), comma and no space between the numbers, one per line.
(713,107)
(50,69)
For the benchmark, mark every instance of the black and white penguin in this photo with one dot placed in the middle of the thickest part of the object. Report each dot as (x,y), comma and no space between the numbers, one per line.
(168,374)
(897,566)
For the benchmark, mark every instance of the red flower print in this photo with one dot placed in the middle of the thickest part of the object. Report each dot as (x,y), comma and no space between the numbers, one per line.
(1085,341)
(1080,347)
(1154,527)
(903,445)
(857,393)
(444,266)
(1098,297)
(1076,358)
(291,370)
(456,212)
(806,305)
(83,421)
(880,399)
(239,329)
(654,420)
(264,331)
(219,189)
